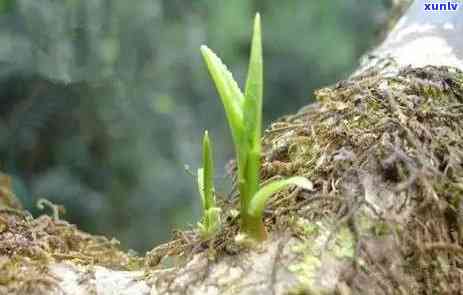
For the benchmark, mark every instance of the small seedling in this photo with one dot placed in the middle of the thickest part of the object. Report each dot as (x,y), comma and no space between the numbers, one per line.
(210,222)
(244,114)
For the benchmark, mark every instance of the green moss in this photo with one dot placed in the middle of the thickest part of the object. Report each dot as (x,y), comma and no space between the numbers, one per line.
(344,245)
(306,270)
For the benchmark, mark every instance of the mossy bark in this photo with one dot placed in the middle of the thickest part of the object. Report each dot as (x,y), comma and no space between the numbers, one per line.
(384,150)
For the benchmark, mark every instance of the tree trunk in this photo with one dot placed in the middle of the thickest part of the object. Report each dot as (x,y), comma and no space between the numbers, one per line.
(385,152)
(422,38)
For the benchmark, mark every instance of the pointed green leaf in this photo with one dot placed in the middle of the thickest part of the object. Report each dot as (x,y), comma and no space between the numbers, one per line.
(213,217)
(210,223)
(254,88)
(211,214)
(208,173)
(201,186)
(229,92)
(258,201)
(253,111)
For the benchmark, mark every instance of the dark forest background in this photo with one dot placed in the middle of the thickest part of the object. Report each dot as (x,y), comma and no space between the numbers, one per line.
(103,102)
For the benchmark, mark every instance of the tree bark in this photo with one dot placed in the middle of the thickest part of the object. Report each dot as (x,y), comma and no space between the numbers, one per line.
(423,38)
(354,240)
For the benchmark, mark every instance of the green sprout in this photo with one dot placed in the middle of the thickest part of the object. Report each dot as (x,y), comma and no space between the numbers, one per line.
(244,114)
(211,213)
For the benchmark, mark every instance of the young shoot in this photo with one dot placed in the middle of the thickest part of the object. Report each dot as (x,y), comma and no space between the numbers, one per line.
(244,115)
(210,222)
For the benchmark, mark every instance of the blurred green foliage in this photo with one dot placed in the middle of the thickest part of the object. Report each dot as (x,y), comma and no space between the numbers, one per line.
(102,102)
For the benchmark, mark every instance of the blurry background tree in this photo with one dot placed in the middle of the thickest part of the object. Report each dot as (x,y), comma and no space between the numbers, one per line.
(102,102)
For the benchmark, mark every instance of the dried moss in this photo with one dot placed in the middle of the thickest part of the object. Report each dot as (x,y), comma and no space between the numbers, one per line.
(28,246)
(385,153)
(390,147)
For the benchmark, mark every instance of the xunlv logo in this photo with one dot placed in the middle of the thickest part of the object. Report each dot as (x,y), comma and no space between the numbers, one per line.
(449,6)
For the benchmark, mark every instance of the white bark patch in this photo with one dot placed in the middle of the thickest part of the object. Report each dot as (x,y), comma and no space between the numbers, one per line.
(424,38)
(111,282)
(429,46)
(263,270)
(72,279)
(80,280)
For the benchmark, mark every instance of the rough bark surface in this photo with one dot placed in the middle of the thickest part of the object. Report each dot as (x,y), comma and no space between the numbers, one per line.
(385,152)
